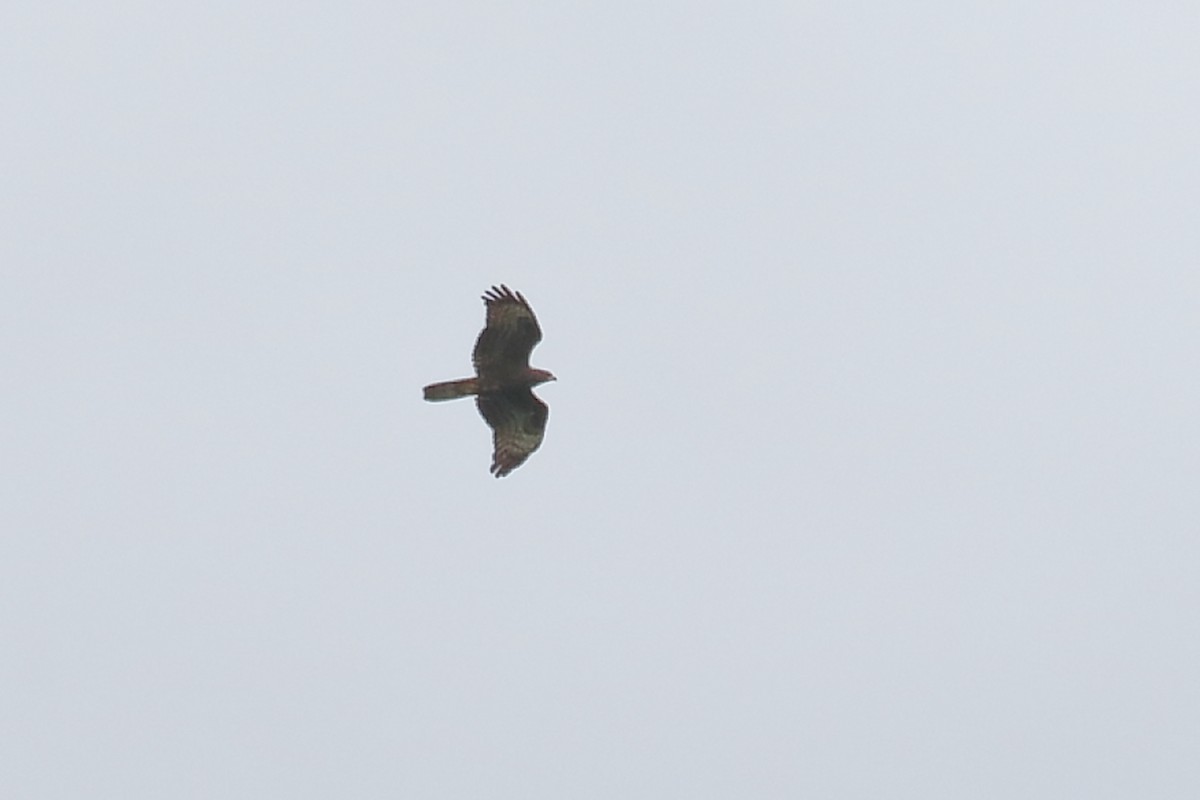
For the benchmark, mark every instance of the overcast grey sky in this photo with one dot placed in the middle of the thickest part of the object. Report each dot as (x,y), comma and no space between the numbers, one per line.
(872,464)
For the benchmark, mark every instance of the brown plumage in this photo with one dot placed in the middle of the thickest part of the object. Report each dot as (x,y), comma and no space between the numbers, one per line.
(503,380)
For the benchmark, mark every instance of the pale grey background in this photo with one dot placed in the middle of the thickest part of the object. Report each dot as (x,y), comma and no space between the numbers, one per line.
(871,468)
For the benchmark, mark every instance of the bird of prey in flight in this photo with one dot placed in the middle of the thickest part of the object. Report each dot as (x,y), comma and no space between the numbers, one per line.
(503,380)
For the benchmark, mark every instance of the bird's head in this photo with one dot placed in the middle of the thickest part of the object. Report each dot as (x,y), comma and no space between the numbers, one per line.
(541,376)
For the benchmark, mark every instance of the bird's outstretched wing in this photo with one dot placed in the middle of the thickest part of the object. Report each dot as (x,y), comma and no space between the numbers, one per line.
(503,347)
(518,421)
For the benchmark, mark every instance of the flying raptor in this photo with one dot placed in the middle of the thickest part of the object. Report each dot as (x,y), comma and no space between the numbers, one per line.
(503,380)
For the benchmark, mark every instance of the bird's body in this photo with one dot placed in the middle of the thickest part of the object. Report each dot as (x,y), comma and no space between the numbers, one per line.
(503,380)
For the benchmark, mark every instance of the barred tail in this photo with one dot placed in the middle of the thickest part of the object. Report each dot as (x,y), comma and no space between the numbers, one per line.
(451,390)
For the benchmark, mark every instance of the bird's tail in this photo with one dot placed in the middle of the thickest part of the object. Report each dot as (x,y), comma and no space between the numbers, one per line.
(451,390)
